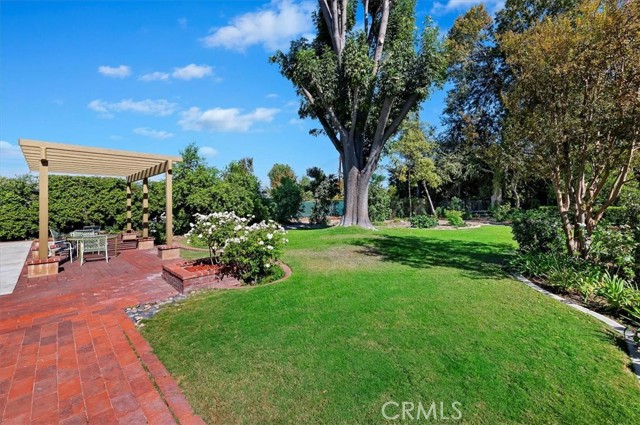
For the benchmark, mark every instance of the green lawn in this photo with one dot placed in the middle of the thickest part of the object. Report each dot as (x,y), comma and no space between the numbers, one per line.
(394,315)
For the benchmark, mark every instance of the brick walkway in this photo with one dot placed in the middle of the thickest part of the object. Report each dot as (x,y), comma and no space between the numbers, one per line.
(70,355)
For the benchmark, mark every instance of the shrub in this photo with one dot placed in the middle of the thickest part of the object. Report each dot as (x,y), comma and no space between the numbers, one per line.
(287,197)
(423,221)
(618,292)
(248,251)
(323,195)
(538,230)
(379,200)
(456,204)
(501,212)
(454,217)
(214,230)
(617,215)
(614,247)
(254,250)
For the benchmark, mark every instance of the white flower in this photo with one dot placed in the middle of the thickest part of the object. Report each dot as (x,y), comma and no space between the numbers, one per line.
(269,236)
(261,243)
(267,265)
(269,247)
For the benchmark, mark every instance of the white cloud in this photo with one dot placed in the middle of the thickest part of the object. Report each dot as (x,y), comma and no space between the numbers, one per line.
(192,71)
(155,76)
(273,26)
(208,152)
(271,96)
(220,119)
(453,5)
(160,107)
(154,134)
(182,22)
(121,71)
(9,151)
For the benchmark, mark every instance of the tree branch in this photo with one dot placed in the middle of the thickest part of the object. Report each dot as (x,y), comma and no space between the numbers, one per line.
(408,104)
(381,36)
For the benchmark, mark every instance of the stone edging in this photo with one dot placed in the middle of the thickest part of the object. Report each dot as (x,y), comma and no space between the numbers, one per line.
(633,350)
(147,310)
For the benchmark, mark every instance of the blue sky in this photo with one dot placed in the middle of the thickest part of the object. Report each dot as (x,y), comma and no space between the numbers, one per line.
(155,76)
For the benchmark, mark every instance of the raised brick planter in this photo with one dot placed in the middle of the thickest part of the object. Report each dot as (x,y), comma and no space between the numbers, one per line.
(145,243)
(46,267)
(169,252)
(185,281)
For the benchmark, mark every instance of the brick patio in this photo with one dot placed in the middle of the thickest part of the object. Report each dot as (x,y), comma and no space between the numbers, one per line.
(70,355)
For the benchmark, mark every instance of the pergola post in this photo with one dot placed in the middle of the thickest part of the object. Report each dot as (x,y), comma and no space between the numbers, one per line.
(43,223)
(169,201)
(145,207)
(128,207)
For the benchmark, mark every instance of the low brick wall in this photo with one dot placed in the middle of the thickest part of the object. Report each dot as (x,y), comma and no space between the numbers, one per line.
(185,281)
(169,252)
(46,267)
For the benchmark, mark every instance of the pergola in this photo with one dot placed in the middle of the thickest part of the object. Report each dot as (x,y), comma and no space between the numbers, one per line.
(47,157)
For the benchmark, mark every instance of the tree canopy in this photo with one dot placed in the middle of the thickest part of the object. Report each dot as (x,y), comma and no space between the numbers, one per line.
(360,82)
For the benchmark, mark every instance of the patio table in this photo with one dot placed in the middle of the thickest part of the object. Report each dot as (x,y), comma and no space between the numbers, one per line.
(80,239)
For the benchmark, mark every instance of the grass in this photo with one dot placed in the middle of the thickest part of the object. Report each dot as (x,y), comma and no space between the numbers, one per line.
(394,315)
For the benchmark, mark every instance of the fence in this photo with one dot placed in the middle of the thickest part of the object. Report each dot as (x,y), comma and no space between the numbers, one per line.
(337,208)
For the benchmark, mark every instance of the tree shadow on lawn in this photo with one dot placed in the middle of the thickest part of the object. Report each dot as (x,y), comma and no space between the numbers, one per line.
(480,259)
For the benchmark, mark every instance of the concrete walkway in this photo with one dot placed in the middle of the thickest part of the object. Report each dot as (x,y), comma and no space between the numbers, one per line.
(12,258)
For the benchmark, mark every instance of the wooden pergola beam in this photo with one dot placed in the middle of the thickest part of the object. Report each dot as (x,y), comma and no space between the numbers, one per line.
(43,199)
(48,157)
(149,172)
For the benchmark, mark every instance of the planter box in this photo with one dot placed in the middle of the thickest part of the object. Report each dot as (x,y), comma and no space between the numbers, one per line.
(145,243)
(46,267)
(169,252)
(129,236)
(183,280)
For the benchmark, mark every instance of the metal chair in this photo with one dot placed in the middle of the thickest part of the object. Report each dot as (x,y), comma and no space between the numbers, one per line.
(94,244)
(59,245)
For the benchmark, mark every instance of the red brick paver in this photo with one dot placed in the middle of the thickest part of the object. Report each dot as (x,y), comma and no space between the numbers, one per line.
(70,355)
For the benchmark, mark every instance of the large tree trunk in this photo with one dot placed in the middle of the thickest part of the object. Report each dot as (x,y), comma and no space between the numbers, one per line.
(356,197)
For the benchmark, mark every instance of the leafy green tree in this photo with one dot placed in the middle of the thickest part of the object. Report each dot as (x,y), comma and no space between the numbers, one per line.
(287,198)
(412,158)
(278,172)
(193,188)
(239,191)
(360,83)
(324,188)
(474,113)
(574,107)
(379,199)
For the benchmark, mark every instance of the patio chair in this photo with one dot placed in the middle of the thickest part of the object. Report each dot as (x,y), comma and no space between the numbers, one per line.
(94,229)
(59,246)
(95,244)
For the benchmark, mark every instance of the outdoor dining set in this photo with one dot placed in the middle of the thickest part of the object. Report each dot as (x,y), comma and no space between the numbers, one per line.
(89,239)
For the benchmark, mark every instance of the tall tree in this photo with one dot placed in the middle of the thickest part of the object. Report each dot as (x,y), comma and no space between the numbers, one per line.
(412,158)
(279,172)
(575,107)
(474,113)
(361,82)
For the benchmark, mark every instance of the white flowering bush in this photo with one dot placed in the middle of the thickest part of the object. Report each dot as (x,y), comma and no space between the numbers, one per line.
(250,251)
(214,230)
(255,250)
